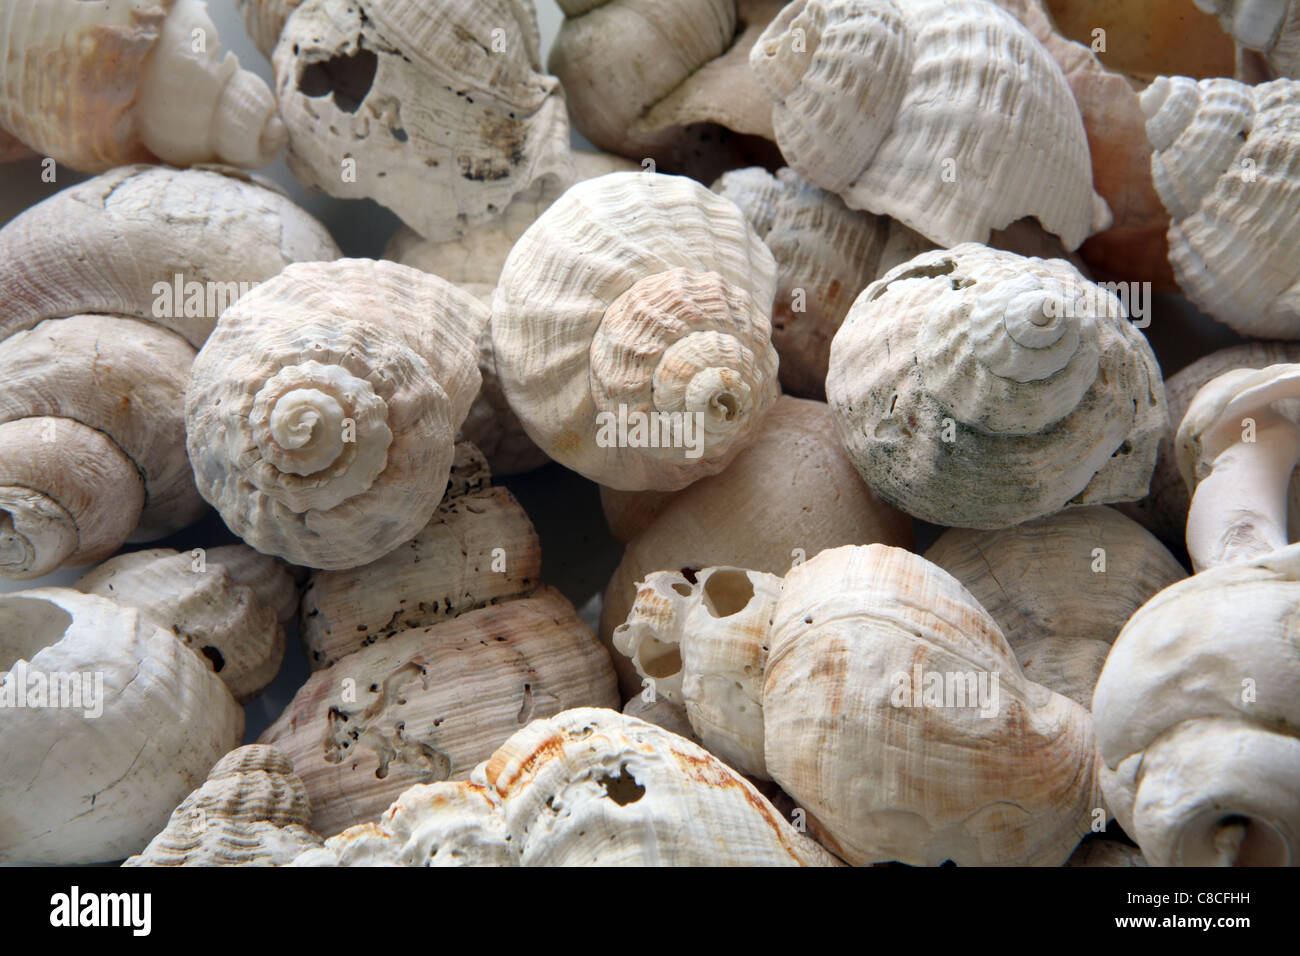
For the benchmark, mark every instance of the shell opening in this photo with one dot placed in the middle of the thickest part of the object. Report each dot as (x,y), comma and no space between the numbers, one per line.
(36,534)
(28,624)
(727,592)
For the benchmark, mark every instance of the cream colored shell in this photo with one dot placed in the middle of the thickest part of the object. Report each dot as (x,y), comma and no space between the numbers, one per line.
(848,651)
(891,106)
(1106,852)
(321,414)
(438,109)
(264,19)
(428,704)
(587,787)
(1198,718)
(1270,27)
(1222,161)
(91,781)
(792,493)
(101,83)
(978,389)
(638,293)
(1060,587)
(194,596)
(251,811)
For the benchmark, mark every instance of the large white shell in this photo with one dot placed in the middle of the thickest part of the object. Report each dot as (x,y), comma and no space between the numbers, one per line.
(637,294)
(980,389)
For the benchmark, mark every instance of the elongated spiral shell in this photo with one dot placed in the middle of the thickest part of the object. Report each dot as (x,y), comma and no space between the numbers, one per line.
(638,295)
(321,414)
(980,389)
(103,83)
(945,114)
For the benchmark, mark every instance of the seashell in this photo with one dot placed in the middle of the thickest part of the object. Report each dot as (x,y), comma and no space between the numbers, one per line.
(995,770)
(223,621)
(101,84)
(978,389)
(274,583)
(1197,713)
(1105,852)
(587,787)
(646,294)
(1269,27)
(445,101)
(1164,510)
(1221,166)
(1238,448)
(479,549)
(669,82)
(791,493)
(251,811)
(887,105)
(662,712)
(1060,587)
(321,414)
(264,20)
(428,704)
(473,262)
(88,781)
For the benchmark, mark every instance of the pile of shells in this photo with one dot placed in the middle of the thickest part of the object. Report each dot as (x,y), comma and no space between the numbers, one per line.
(905,395)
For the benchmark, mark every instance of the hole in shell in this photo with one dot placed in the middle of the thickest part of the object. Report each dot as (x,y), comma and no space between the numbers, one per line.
(348,77)
(622,787)
(683,589)
(727,593)
(659,659)
(26,626)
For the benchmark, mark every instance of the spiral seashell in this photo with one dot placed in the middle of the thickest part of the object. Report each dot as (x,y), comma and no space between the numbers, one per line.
(251,811)
(1270,27)
(264,19)
(104,83)
(321,414)
(1222,165)
(978,389)
(894,106)
(646,294)
(126,723)
(437,109)
(1198,718)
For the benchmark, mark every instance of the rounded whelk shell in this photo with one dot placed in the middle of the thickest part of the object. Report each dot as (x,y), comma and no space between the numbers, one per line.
(321,414)
(101,84)
(438,109)
(251,811)
(979,389)
(631,331)
(108,722)
(882,698)
(894,107)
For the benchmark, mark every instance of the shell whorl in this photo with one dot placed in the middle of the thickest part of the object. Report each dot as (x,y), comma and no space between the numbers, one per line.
(644,293)
(327,393)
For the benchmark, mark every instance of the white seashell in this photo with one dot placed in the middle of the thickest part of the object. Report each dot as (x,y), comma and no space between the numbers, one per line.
(889,105)
(995,770)
(438,109)
(427,705)
(251,811)
(1271,27)
(321,414)
(1197,714)
(1060,587)
(646,294)
(104,83)
(92,780)
(264,20)
(1222,161)
(979,389)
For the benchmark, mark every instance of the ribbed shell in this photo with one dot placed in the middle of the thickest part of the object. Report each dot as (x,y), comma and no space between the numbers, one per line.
(76,789)
(980,389)
(641,291)
(264,19)
(1223,165)
(104,83)
(251,811)
(438,109)
(945,114)
(384,347)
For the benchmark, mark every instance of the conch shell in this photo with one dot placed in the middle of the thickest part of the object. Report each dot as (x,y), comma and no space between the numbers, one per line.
(587,787)
(105,83)
(438,109)
(638,301)
(321,414)
(978,389)
(891,106)
(1197,714)
(251,811)
(428,704)
(128,721)
(882,698)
